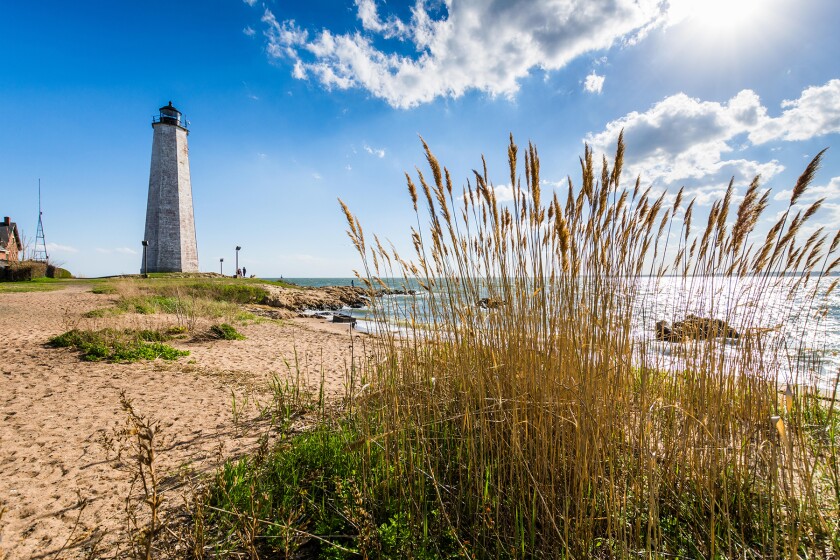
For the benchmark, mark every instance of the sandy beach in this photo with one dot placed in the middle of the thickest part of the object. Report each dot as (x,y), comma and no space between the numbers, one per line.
(59,493)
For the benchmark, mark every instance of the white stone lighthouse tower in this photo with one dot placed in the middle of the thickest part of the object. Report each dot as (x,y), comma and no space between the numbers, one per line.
(170,224)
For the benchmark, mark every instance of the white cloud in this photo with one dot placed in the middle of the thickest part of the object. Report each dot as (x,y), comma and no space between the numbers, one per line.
(815,113)
(368,14)
(120,250)
(683,138)
(249,31)
(56,248)
(504,193)
(378,152)
(830,191)
(679,137)
(554,184)
(316,176)
(594,83)
(460,46)
(284,38)
(250,2)
(683,141)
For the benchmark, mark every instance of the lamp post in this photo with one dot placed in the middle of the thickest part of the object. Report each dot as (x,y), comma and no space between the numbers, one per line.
(145,261)
(237,258)
(221,265)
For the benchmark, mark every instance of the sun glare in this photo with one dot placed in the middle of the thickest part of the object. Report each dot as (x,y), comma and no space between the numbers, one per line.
(720,17)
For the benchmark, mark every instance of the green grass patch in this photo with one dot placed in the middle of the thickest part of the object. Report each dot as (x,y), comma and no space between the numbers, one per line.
(149,304)
(41,284)
(114,345)
(325,495)
(221,290)
(101,312)
(186,297)
(280,283)
(104,288)
(30,286)
(225,331)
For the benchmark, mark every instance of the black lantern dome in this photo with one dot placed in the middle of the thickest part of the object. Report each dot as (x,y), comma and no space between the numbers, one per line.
(169,115)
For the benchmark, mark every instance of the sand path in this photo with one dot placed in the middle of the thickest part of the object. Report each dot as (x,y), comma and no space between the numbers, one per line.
(54,410)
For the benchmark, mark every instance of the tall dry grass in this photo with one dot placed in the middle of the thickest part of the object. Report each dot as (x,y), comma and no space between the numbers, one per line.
(542,427)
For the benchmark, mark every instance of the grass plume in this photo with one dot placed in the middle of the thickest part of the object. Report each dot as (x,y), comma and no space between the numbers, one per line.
(521,418)
(543,425)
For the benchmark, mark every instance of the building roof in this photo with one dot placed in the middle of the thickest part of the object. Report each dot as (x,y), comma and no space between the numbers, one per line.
(6,231)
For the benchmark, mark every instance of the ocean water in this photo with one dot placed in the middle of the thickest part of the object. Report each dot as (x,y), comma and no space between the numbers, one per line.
(800,342)
(800,334)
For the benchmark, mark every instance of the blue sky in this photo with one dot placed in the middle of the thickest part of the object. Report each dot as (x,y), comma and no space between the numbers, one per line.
(294,104)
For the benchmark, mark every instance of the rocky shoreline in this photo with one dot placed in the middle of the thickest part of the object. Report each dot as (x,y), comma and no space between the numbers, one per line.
(285,302)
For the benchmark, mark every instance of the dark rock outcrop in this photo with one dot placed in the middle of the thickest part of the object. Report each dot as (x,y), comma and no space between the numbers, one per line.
(694,327)
(328,298)
(397,292)
(665,333)
(490,303)
(342,318)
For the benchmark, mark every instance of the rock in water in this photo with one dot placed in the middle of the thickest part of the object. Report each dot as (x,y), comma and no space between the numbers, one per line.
(694,327)
(665,333)
(490,303)
(342,318)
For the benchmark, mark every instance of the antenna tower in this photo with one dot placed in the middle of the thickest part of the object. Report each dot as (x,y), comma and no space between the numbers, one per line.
(40,253)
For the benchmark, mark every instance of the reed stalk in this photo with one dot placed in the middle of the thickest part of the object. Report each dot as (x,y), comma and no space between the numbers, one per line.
(539,425)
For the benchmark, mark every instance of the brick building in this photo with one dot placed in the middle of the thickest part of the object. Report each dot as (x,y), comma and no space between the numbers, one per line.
(10,244)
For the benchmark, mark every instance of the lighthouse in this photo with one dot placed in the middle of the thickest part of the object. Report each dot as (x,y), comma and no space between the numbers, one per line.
(169,242)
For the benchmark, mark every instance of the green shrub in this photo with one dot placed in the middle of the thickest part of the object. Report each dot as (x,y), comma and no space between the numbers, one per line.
(23,270)
(115,345)
(225,331)
(32,270)
(101,312)
(314,481)
(57,272)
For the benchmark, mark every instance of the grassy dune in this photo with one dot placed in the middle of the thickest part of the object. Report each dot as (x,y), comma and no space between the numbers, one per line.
(537,428)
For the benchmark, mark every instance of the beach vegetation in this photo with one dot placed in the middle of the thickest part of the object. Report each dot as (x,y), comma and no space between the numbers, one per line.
(43,284)
(225,331)
(119,345)
(28,270)
(308,496)
(135,448)
(540,426)
(190,299)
